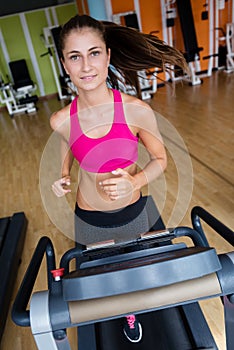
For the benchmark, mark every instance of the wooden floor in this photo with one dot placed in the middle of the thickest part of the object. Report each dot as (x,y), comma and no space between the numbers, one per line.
(197,124)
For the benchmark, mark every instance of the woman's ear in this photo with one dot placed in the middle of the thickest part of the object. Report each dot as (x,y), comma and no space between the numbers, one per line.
(109,55)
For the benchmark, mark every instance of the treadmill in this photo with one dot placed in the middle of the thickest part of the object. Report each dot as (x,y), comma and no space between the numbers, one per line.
(160,281)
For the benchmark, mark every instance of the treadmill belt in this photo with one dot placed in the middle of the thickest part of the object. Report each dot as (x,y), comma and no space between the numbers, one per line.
(162,330)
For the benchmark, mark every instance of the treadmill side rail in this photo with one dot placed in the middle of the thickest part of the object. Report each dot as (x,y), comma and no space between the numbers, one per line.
(41,326)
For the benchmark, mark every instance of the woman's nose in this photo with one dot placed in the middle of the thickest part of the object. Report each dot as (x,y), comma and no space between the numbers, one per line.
(86,64)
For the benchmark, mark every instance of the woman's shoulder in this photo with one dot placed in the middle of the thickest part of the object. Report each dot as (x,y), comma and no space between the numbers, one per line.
(133,100)
(59,118)
(135,107)
(138,112)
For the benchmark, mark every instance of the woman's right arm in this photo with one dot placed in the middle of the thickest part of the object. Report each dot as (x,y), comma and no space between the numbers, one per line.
(59,125)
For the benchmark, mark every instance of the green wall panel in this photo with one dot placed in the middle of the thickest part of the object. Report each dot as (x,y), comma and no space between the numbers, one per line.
(64,16)
(36,21)
(14,38)
(3,67)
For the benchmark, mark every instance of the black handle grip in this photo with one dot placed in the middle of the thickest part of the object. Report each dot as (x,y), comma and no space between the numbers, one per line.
(198,238)
(198,213)
(20,314)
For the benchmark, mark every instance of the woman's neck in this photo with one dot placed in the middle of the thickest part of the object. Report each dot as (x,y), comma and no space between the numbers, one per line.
(101,95)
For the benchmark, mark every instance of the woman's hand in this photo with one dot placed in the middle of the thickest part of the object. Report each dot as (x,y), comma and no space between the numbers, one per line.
(59,187)
(122,185)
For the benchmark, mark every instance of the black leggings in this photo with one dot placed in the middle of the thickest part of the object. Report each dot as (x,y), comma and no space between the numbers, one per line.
(123,224)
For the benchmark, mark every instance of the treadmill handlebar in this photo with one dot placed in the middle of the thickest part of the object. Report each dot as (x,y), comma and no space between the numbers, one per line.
(198,213)
(20,314)
(197,238)
(181,231)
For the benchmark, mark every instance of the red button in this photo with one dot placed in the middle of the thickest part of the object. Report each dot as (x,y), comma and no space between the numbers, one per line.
(57,272)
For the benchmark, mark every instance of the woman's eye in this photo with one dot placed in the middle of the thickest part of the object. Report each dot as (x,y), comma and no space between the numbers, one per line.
(95,53)
(74,58)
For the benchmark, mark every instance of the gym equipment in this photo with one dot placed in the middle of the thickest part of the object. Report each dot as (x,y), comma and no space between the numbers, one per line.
(12,235)
(65,87)
(217,48)
(17,96)
(230,47)
(149,276)
(128,19)
(147,78)
(192,50)
(182,9)
(170,10)
(147,81)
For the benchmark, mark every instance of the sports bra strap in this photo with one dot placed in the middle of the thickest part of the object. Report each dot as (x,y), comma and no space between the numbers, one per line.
(73,108)
(118,105)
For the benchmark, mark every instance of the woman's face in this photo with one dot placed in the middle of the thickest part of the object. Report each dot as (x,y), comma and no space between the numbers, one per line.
(86,59)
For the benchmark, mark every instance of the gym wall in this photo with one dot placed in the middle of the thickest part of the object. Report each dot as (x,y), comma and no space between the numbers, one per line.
(20,37)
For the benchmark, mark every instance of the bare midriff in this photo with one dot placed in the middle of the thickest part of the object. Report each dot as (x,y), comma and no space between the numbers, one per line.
(90,195)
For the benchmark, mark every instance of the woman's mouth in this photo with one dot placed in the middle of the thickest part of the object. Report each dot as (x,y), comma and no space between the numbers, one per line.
(88,77)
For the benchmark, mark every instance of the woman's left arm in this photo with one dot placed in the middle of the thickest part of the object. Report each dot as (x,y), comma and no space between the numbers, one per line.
(152,141)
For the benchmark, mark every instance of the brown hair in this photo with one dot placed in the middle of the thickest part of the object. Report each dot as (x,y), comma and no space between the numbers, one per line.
(131,50)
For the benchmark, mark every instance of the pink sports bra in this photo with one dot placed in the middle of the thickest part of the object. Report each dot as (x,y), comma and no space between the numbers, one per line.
(117,149)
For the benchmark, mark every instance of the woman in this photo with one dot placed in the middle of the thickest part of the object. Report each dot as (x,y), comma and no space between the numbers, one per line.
(102,128)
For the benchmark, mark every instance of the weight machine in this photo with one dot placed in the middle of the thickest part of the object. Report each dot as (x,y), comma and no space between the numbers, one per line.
(171,9)
(17,96)
(182,9)
(147,78)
